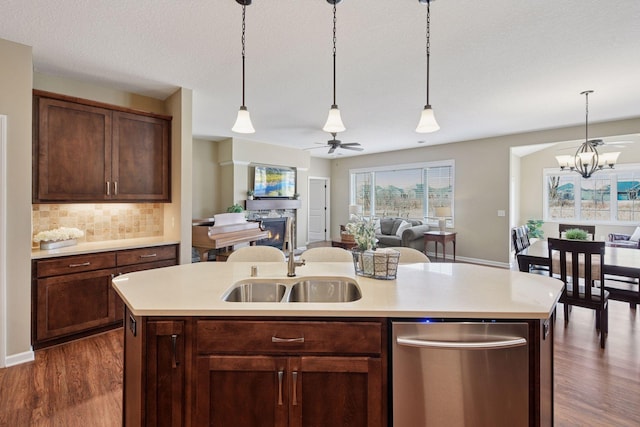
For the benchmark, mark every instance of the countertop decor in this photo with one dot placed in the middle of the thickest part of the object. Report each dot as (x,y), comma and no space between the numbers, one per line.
(58,237)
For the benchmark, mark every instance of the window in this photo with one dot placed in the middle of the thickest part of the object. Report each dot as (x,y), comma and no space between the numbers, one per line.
(608,196)
(399,191)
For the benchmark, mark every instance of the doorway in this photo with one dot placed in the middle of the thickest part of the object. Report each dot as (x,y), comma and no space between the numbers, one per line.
(318,220)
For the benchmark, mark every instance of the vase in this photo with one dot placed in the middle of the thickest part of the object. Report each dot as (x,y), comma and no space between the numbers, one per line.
(55,244)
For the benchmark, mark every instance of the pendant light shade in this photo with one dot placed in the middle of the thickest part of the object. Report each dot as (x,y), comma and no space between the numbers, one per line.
(334,120)
(243,121)
(428,121)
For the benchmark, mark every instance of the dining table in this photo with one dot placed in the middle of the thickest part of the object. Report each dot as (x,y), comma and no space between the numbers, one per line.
(621,267)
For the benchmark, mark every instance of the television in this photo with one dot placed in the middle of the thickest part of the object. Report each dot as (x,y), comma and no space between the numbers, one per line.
(274,182)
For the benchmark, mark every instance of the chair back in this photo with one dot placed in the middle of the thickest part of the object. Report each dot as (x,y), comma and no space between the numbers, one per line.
(410,255)
(326,254)
(577,259)
(520,238)
(589,229)
(256,254)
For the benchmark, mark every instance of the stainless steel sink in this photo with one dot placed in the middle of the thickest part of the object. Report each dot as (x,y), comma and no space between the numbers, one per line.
(324,290)
(253,291)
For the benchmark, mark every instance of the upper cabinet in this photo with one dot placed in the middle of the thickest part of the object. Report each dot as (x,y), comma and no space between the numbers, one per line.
(84,151)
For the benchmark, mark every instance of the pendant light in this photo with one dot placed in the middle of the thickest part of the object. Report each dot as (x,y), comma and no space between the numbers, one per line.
(243,121)
(427,118)
(587,160)
(334,121)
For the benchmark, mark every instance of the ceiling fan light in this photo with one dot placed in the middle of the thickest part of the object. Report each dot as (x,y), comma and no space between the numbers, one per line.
(243,122)
(334,121)
(428,121)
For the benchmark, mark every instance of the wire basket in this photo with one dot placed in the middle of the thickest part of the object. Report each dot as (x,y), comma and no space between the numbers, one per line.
(378,264)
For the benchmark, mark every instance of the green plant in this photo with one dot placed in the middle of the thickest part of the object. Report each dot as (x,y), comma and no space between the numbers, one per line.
(235,208)
(576,234)
(535,228)
(364,234)
(250,193)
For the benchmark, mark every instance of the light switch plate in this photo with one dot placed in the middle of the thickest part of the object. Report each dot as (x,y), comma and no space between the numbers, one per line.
(501,213)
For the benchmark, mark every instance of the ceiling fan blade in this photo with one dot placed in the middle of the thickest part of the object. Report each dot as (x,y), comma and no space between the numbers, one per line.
(313,148)
(351,148)
(332,149)
(350,144)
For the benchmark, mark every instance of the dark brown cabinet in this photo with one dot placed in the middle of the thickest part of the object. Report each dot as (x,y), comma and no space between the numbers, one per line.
(72,295)
(254,372)
(90,152)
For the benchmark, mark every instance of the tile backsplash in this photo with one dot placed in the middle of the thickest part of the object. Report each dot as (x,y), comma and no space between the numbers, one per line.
(108,221)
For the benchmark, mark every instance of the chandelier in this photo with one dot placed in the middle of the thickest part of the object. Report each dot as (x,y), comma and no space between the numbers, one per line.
(587,160)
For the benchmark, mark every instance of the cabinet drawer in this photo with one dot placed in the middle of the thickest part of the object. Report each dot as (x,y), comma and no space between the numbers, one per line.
(75,264)
(142,255)
(281,337)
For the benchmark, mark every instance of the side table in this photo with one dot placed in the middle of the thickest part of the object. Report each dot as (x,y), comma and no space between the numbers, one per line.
(441,237)
(343,244)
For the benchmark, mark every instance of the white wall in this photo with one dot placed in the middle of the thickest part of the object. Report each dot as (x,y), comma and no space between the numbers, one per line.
(16,83)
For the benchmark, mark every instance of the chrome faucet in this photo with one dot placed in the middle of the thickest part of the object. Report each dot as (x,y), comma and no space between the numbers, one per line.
(292,263)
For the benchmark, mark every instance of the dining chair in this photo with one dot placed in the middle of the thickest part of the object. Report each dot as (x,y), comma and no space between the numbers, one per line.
(580,265)
(326,254)
(257,254)
(519,238)
(410,255)
(589,229)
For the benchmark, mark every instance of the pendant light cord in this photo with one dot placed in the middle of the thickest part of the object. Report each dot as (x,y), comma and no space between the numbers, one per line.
(428,44)
(334,56)
(243,29)
(586,121)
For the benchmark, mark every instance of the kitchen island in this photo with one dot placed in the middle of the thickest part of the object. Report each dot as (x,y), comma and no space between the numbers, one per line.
(192,358)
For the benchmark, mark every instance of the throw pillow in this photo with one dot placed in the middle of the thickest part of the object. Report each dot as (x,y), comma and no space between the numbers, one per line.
(377,226)
(403,226)
(636,235)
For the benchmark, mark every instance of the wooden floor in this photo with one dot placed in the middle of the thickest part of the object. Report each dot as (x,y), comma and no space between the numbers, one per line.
(80,383)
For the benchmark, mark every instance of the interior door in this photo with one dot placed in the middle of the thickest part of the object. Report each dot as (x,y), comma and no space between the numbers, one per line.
(317,223)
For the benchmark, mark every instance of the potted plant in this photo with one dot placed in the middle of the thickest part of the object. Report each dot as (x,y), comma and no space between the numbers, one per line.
(576,234)
(250,194)
(236,208)
(296,196)
(534,227)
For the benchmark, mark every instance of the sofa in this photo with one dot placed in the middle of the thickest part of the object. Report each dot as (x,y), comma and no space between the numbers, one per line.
(411,237)
(622,241)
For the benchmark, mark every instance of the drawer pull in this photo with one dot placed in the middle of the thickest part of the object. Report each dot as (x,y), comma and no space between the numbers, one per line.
(149,256)
(174,359)
(280,375)
(277,339)
(295,387)
(84,264)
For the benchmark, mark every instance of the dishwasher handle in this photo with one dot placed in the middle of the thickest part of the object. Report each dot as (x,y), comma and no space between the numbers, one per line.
(463,345)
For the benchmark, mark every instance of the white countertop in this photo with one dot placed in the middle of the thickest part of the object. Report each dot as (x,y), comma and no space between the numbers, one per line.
(444,290)
(104,246)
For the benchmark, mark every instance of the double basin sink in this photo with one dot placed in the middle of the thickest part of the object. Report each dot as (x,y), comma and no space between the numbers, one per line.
(306,289)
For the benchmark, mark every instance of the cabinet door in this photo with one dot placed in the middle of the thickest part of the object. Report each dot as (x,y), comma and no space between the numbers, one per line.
(242,391)
(141,157)
(165,386)
(73,303)
(73,151)
(336,391)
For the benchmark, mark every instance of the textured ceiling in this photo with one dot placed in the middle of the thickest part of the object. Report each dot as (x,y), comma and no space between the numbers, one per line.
(497,67)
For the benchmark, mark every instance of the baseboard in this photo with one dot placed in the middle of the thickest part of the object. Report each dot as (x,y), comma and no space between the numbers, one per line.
(449,258)
(17,359)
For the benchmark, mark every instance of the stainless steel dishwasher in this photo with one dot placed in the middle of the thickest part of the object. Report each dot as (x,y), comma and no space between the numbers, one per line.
(460,374)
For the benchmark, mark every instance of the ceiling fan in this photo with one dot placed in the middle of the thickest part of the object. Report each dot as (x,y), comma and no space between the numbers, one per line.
(334,143)
(602,143)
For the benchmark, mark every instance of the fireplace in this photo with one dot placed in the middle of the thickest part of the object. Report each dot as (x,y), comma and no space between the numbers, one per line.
(277,230)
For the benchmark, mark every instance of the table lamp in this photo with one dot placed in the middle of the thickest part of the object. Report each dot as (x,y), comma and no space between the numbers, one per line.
(442,213)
